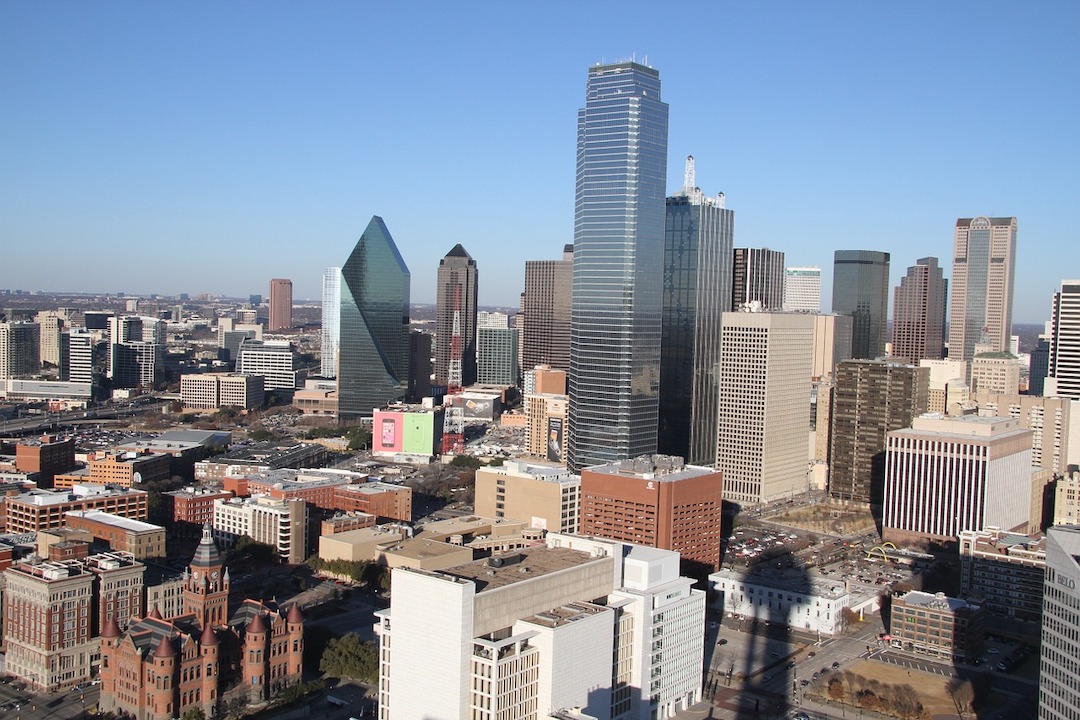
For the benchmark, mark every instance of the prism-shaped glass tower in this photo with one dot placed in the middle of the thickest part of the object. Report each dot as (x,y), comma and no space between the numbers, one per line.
(373,354)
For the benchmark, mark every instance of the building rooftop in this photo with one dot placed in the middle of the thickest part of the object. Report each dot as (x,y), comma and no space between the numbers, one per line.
(510,568)
(76,494)
(302,479)
(564,614)
(116,521)
(663,468)
(268,453)
(937,601)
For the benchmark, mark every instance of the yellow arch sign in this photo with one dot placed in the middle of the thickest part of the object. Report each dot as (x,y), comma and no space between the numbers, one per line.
(880,548)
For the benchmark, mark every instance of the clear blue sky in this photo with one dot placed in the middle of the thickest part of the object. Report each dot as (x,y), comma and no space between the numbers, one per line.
(207,147)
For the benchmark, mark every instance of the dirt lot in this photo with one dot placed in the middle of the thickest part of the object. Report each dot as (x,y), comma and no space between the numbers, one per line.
(826,519)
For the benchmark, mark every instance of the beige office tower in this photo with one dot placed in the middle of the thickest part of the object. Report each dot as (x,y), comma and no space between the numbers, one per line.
(544,496)
(764,404)
(984,256)
(995,372)
(50,325)
(545,418)
(948,391)
(1050,421)
(832,343)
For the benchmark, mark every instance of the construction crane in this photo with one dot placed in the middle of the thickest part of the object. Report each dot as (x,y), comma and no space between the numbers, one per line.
(453,439)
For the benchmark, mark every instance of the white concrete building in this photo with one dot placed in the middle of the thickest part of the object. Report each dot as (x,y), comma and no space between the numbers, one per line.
(948,385)
(578,622)
(330,334)
(275,360)
(1060,647)
(793,598)
(802,289)
(215,390)
(280,523)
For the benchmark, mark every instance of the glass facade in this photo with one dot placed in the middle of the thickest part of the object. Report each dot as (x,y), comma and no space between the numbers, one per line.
(861,290)
(331,321)
(456,281)
(697,292)
(618,259)
(373,354)
(984,257)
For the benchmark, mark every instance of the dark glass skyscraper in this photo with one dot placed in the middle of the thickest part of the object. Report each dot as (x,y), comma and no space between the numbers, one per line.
(618,266)
(757,277)
(457,274)
(545,312)
(697,292)
(861,290)
(373,355)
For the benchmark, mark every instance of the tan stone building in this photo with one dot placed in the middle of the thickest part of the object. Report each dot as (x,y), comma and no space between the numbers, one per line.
(1048,419)
(141,539)
(543,496)
(545,417)
(995,372)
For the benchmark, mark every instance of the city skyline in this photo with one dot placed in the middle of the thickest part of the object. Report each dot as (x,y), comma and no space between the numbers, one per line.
(283,132)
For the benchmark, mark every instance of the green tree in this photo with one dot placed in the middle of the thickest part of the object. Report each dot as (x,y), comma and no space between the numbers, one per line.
(193,713)
(348,656)
(466,461)
(495,462)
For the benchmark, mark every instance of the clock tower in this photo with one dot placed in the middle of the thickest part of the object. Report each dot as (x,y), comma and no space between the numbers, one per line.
(206,587)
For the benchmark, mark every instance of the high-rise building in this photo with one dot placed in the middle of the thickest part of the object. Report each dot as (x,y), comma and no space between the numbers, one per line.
(944,475)
(757,278)
(948,388)
(373,354)
(764,404)
(1050,421)
(618,266)
(330,333)
(79,365)
(657,501)
(1059,649)
(918,331)
(697,290)
(802,289)
(984,259)
(832,343)
(871,399)
(995,372)
(545,496)
(280,304)
(20,348)
(545,311)
(456,288)
(861,289)
(575,623)
(275,360)
(50,325)
(419,366)
(1064,370)
(496,356)
(1039,365)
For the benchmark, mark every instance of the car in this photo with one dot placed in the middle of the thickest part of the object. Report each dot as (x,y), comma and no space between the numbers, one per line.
(766,677)
(835,665)
(722,641)
(811,654)
(993,651)
(800,716)
(804,682)
(791,663)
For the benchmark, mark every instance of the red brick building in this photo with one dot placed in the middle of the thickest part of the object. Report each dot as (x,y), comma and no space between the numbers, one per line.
(386,501)
(158,668)
(43,509)
(656,501)
(46,456)
(188,510)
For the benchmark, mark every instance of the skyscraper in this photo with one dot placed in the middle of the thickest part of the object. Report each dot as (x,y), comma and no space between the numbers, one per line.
(918,331)
(802,289)
(697,292)
(331,321)
(1060,647)
(20,348)
(872,398)
(984,258)
(764,404)
(456,288)
(757,277)
(373,354)
(1063,377)
(861,289)
(618,259)
(280,304)
(545,311)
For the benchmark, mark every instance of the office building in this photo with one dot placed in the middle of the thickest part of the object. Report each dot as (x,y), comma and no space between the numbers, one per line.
(937,625)
(330,332)
(80,356)
(697,267)
(45,509)
(544,379)
(757,279)
(861,289)
(1050,420)
(618,259)
(1059,649)
(457,293)
(871,399)
(136,364)
(280,305)
(1063,373)
(497,356)
(139,539)
(794,597)
(576,623)
(832,343)
(545,418)
(282,524)
(50,325)
(1003,572)
(420,366)
(1039,363)
(996,373)
(407,432)
(45,457)
(187,510)
(373,355)
(764,404)
(20,346)
(545,311)
(543,496)
(274,360)
(802,289)
(984,258)
(210,391)
(918,330)
(489,319)
(944,475)
(656,501)
(948,392)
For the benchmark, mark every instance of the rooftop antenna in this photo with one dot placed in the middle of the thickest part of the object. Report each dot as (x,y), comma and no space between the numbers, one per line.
(690,175)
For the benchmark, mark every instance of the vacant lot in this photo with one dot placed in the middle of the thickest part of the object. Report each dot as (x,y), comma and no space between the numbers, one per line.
(826,519)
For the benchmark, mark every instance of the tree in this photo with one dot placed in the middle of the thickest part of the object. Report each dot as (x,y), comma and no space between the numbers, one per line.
(193,713)
(495,462)
(466,461)
(348,656)
(962,693)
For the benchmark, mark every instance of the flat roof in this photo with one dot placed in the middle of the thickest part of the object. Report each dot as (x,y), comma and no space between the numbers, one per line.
(510,568)
(938,601)
(564,614)
(107,518)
